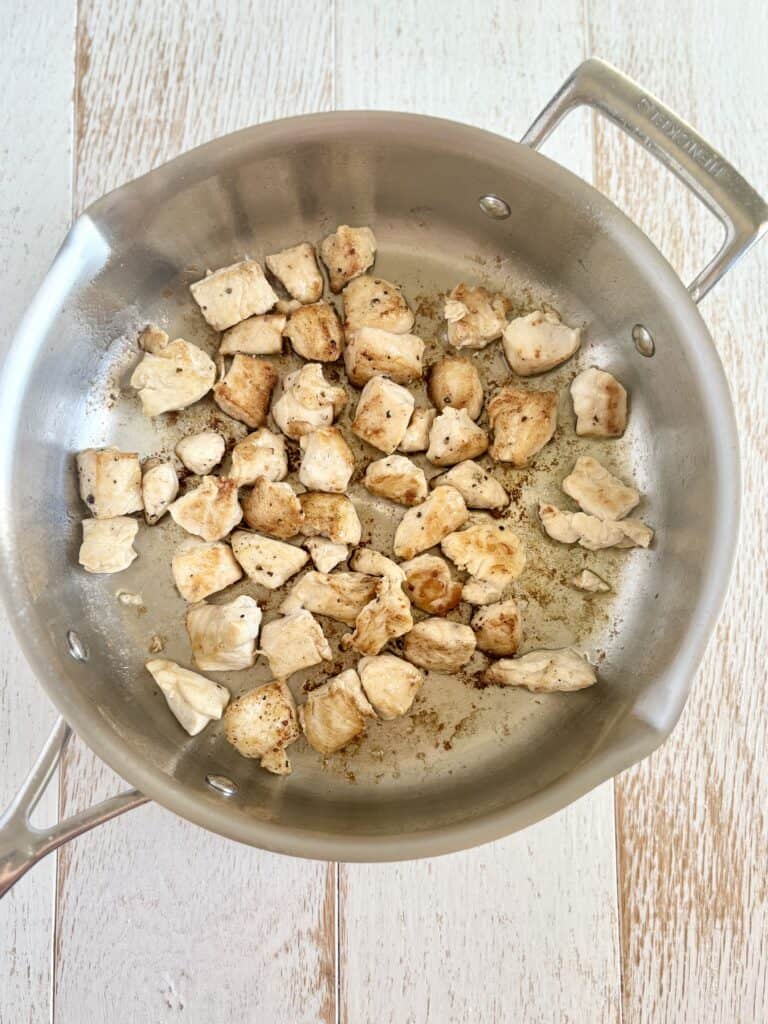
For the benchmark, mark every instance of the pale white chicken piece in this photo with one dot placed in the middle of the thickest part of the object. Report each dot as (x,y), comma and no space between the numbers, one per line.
(538,342)
(421,528)
(245,390)
(454,437)
(110,482)
(383,414)
(416,437)
(371,352)
(262,723)
(266,561)
(327,463)
(498,628)
(455,382)
(475,316)
(233,293)
(338,595)
(159,487)
(194,700)
(223,636)
(294,642)
(390,684)
(335,713)
(590,582)
(598,492)
(330,515)
(200,569)
(523,421)
(600,404)
(562,670)
(386,617)
(324,553)
(202,452)
(481,592)
(173,377)
(256,336)
(297,270)
(273,508)
(429,584)
(347,253)
(210,511)
(259,454)
(396,478)
(315,332)
(488,551)
(439,645)
(373,302)
(476,486)
(108,544)
(372,562)
(308,401)
(593,533)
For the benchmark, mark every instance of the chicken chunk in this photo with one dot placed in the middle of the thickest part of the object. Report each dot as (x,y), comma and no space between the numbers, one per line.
(593,533)
(372,562)
(268,562)
(256,336)
(538,342)
(335,713)
(297,270)
(421,528)
(315,332)
(210,511)
(152,339)
(200,570)
(324,553)
(340,595)
(439,645)
(371,351)
(396,478)
(416,437)
(598,492)
(223,636)
(498,628)
(259,454)
(347,253)
(244,392)
(173,377)
(488,551)
(386,617)
(332,516)
(262,723)
(429,584)
(273,508)
(294,642)
(202,452)
(544,671)
(522,423)
(327,462)
(110,482)
(475,316)
(481,592)
(455,382)
(476,486)
(194,700)
(108,544)
(233,293)
(383,414)
(590,582)
(159,487)
(454,437)
(373,302)
(390,684)
(600,404)
(308,401)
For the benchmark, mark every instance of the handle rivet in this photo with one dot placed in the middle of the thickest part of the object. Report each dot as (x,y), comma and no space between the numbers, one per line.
(643,340)
(221,784)
(494,207)
(77,648)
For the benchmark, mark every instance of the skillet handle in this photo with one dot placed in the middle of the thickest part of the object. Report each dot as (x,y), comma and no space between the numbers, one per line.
(742,212)
(21,844)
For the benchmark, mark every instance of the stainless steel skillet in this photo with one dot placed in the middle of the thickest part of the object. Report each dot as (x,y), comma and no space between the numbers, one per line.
(448,203)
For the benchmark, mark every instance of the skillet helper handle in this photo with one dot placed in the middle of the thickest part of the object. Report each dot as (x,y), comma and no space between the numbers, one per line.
(21,844)
(707,173)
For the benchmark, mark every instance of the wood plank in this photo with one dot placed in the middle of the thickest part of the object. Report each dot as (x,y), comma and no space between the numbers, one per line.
(36,76)
(692,819)
(171,919)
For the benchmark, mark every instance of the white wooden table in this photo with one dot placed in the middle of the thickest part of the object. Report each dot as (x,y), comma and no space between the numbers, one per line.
(645,901)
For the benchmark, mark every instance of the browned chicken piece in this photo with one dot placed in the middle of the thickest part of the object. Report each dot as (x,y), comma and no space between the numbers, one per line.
(416,437)
(159,487)
(385,617)
(383,414)
(598,492)
(297,270)
(315,332)
(232,294)
(600,404)
(308,401)
(476,486)
(108,544)
(335,713)
(538,342)
(200,453)
(475,316)
(455,382)
(172,376)
(273,508)
(481,592)
(396,478)
(324,553)
(372,562)
(200,569)
(498,628)
(152,339)
(371,351)
(294,642)
(373,302)
(332,516)
(429,584)
(327,463)
(337,595)
(390,684)
(590,582)
(488,551)
(522,421)
(110,482)
(561,670)
(266,561)
(593,533)
(347,253)
(262,723)
(210,511)
(421,528)
(256,336)
(259,454)
(439,645)
(244,392)
(454,437)
(223,636)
